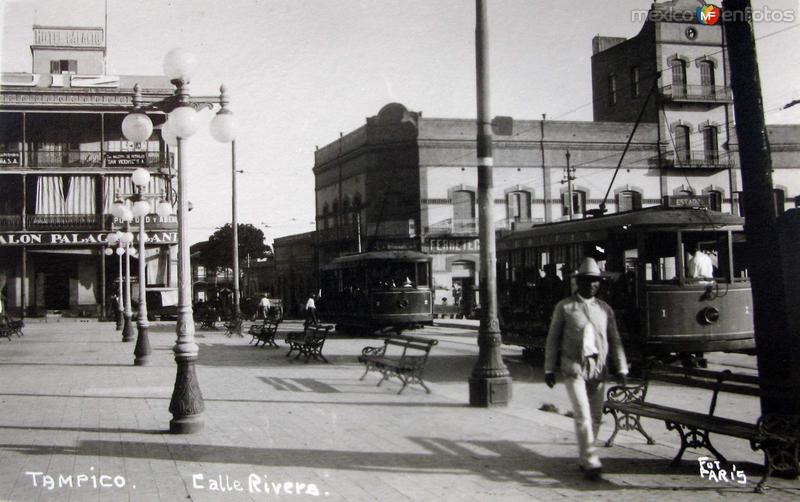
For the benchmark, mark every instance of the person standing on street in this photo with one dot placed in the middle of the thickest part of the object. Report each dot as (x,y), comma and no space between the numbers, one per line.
(583,335)
(311,310)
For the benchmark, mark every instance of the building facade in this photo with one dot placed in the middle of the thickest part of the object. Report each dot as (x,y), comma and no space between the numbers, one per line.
(63,163)
(402,181)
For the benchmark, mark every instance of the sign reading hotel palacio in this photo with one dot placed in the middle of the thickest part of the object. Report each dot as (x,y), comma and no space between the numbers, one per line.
(56,36)
(75,238)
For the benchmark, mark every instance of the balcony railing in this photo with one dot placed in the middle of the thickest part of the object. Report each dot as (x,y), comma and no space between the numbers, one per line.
(697,93)
(10,222)
(95,158)
(64,221)
(697,159)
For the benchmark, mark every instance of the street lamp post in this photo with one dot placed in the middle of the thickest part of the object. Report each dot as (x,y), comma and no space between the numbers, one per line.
(113,240)
(126,239)
(140,209)
(223,130)
(186,404)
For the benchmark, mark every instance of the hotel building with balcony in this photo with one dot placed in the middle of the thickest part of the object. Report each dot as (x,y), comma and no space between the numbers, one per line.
(63,163)
(402,181)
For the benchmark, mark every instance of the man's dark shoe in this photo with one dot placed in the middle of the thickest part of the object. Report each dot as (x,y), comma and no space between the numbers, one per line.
(593,473)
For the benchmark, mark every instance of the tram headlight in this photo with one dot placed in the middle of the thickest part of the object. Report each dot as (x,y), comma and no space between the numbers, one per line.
(709,315)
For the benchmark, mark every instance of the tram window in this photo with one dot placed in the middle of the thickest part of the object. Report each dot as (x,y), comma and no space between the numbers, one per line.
(422,274)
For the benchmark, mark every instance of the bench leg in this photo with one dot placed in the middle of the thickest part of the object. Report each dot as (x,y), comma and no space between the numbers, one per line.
(365,373)
(382,379)
(693,438)
(626,422)
(427,390)
(405,382)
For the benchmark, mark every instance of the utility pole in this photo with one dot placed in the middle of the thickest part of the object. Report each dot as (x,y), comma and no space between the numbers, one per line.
(778,352)
(237,312)
(490,383)
(569,177)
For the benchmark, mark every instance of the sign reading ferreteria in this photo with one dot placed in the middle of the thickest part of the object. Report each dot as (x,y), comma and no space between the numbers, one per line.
(436,246)
(75,238)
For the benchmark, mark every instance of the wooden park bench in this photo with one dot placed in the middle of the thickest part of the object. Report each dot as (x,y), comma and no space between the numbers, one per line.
(309,342)
(9,326)
(264,333)
(406,364)
(778,436)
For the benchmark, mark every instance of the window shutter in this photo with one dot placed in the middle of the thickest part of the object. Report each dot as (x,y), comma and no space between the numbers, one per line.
(55,66)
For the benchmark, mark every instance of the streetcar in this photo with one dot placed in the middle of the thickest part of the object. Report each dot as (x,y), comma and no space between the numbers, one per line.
(377,290)
(663,309)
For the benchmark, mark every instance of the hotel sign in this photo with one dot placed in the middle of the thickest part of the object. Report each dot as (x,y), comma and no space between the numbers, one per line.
(68,37)
(75,238)
(10,159)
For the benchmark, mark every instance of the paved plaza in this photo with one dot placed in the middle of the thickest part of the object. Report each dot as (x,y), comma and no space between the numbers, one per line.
(79,422)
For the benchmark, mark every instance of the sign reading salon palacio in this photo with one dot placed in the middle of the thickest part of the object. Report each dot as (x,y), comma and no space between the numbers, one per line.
(75,238)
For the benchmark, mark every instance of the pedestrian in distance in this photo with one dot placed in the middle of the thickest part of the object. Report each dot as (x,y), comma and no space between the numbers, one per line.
(311,311)
(582,338)
(263,307)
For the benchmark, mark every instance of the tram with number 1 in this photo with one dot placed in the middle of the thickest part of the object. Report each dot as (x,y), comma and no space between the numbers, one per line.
(377,290)
(662,308)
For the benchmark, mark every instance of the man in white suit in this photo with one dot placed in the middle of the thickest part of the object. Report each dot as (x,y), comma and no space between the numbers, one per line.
(582,338)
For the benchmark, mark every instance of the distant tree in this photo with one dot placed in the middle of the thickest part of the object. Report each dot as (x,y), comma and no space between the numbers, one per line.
(217,251)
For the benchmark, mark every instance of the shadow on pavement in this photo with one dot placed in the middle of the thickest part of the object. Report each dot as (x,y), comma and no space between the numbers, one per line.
(493,460)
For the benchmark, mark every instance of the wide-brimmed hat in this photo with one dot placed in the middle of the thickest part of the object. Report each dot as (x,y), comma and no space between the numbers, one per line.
(589,268)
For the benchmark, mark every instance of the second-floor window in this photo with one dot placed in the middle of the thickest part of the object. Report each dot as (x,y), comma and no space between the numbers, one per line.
(463,205)
(635,90)
(710,145)
(519,206)
(612,89)
(682,144)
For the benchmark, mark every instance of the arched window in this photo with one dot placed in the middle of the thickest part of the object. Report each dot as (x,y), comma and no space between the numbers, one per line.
(518,206)
(629,200)
(679,78)
(463,205)
(707,78)
(710,145)
(714,200)
(578,202)
(682,144)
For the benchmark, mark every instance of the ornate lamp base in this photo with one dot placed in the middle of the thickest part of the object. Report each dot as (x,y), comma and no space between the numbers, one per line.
(128,333)
(187,404)
(142,350)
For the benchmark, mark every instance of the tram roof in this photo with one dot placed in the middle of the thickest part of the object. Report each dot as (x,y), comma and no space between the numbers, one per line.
(400,255)
(657,219)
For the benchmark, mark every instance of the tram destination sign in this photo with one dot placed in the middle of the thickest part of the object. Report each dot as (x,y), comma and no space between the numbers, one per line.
(74,238)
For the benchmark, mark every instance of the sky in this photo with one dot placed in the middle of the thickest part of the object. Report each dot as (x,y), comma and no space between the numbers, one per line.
(299,72)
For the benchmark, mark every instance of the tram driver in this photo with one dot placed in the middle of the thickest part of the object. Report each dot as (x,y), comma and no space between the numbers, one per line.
(700,264)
